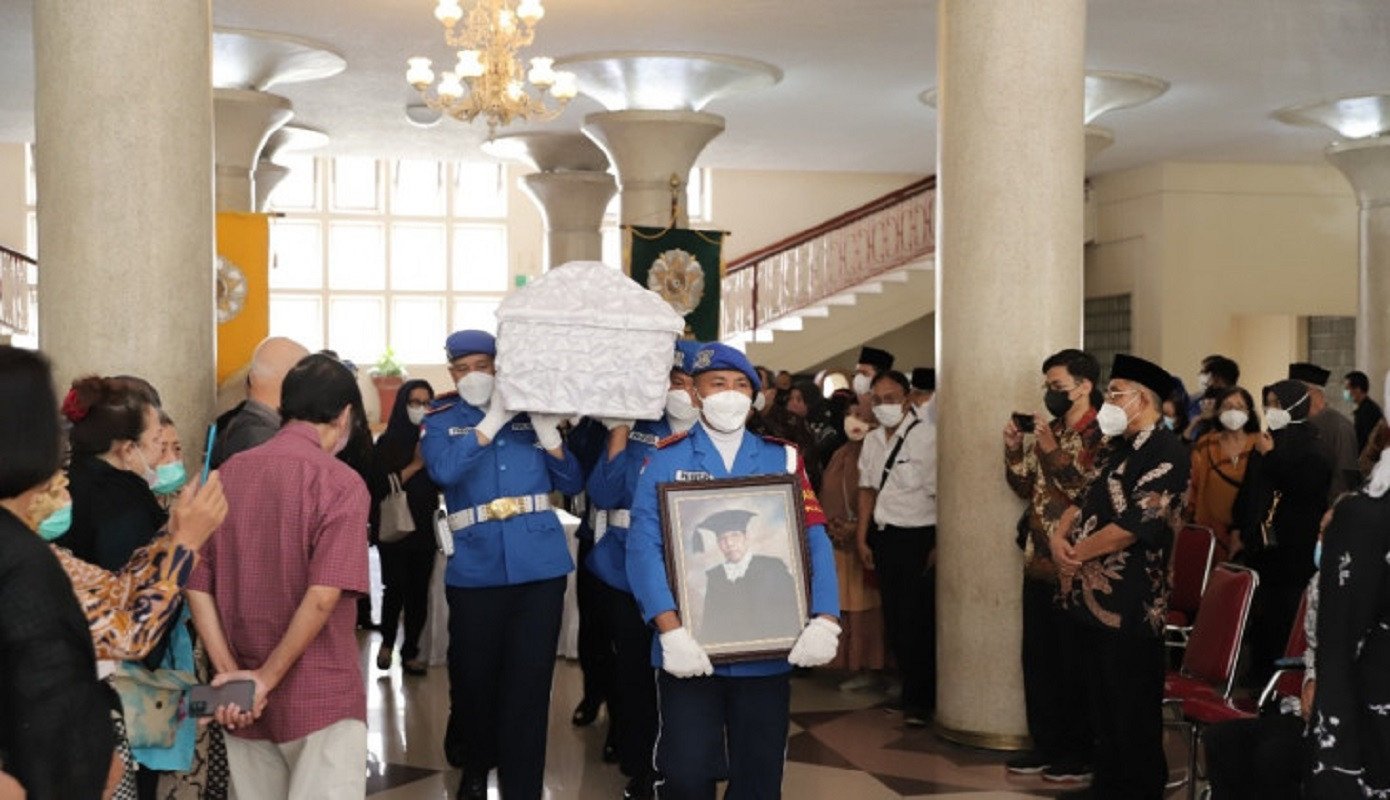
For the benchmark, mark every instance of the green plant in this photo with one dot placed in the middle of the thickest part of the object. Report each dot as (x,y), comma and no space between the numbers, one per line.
(387,366)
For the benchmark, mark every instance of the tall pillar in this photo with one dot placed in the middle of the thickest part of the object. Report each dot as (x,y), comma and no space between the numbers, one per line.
(653,152)
(1366,165)
(125,167)
(1009,292)
(572,204)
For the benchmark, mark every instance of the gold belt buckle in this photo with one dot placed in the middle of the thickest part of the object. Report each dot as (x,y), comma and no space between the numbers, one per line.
(504,508)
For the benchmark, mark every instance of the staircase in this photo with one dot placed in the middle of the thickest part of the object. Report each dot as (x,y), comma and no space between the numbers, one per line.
(836,285)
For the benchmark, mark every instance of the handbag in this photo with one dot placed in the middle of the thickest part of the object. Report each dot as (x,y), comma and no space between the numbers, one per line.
(396,522)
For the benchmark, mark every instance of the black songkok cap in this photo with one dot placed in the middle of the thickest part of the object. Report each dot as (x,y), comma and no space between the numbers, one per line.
(1309,373)
(1144,373)
(924,378)
(881,360)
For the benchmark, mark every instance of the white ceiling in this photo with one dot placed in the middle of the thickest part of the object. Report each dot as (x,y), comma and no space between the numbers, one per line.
(853,70)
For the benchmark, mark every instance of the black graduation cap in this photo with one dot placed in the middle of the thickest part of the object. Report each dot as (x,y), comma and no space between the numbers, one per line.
(881,360)
(1309,373)
(1144,373)
(924,378)
(727,521)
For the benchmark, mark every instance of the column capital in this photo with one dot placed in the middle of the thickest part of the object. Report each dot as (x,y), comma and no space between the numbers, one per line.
(647,148)
(244,120)
(549,151)
(1366,165)
(570,201)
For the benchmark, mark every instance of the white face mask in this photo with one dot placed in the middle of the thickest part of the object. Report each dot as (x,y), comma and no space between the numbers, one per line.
(680,407)
(1234,419)
(759,401)
(1279,418)
(476,388)
(862,383)
(856,429)
(1112,419)
(726,411)
(415,415)
(1204,380)
(889,416)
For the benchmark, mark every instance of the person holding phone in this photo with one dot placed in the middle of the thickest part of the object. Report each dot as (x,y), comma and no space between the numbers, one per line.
(1049,471)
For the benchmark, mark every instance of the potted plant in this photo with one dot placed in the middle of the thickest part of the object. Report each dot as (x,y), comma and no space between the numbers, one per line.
(387,375)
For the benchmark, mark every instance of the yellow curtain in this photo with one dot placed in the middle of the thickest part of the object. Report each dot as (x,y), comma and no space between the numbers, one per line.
(244,241)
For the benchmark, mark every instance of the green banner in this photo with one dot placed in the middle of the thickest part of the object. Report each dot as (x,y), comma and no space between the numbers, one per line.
(684,267)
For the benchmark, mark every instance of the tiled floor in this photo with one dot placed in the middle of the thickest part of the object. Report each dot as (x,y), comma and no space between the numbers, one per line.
(842,745)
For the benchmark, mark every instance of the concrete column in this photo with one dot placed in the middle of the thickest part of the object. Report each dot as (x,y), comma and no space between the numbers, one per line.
(1366,165)
(650,149)
(266,177)
(124,122)
(245,119)
(572,205)
(1011,152)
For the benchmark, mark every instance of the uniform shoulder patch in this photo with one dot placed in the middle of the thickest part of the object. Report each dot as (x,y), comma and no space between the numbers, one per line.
(445,406)
(672,439)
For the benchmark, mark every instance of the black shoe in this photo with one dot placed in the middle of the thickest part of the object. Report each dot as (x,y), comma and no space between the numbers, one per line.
(1078,794)
(453,748)
(640,789)
(473,786)
(1027,763)
(586,712)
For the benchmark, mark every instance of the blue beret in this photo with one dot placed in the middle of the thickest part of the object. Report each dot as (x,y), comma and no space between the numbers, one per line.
(685,354)
(467,343)
(717,355)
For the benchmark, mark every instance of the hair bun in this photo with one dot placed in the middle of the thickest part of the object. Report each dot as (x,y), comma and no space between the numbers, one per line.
(85,393)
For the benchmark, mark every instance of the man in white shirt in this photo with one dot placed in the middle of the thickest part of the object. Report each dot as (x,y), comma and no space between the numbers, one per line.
(897,492)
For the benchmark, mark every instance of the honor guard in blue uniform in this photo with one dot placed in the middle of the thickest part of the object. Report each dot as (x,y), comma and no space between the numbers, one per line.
(741,708)
(505,582)
(611,485)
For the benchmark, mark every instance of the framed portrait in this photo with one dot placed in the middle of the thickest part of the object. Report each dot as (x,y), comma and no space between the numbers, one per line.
(737,560)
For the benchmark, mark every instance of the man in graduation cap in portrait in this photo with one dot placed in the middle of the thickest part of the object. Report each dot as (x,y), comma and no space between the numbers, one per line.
(1111,552)
(745,581)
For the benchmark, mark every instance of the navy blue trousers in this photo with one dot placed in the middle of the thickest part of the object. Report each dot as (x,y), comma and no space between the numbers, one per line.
(703,718)
(502,643)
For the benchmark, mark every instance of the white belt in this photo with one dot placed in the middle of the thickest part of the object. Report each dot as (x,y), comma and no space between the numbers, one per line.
(600,521)
(499,509)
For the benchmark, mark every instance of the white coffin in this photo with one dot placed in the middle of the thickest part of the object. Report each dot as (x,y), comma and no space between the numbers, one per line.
(586,339)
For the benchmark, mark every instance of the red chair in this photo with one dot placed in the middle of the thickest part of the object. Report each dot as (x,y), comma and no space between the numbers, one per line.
(1213,647)
(1287,681)
(1191,564)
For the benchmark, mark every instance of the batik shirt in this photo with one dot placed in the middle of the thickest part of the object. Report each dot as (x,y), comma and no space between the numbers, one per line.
(1139,488)
(1051,483)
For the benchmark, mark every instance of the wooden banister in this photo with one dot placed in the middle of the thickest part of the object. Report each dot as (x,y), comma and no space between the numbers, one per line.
(834,223)
(16,254)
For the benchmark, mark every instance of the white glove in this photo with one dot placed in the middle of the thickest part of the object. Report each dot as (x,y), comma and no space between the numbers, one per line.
(547,428)
(497,415)
(613,424)
(817,644)
(682,656)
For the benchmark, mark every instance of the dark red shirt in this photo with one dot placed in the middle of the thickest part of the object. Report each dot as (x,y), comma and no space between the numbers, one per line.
(297,518)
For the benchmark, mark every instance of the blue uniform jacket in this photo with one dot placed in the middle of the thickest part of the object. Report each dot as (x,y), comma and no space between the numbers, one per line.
(525,548)
(611,486)
(646,565)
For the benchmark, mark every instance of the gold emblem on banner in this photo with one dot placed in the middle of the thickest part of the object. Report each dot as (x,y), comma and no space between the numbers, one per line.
(679,279)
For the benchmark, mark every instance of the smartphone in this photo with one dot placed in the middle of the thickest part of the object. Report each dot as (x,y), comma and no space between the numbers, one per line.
(1024,422)
(204,700)
(207,453)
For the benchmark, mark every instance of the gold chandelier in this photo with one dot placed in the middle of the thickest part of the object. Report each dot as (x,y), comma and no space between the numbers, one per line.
(489,79)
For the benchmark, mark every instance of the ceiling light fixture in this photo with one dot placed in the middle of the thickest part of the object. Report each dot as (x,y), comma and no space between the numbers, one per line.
(489,79)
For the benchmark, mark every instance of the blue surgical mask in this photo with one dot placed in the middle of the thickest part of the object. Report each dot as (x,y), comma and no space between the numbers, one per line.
(169,478)
(56,524)
(1317,555)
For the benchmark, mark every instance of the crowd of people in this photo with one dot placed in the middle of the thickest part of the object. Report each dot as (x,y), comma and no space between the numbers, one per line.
(126,582)
(1110,475)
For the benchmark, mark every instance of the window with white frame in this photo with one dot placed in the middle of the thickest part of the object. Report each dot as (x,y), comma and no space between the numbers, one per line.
(369,253)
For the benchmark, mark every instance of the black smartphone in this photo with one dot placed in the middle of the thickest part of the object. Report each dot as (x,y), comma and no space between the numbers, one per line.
(204,700)
(1024,422)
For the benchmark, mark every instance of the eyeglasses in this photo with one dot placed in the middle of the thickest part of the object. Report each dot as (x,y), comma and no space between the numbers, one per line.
(1116,394)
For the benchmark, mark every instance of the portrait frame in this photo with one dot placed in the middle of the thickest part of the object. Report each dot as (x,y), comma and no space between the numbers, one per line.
(776,566)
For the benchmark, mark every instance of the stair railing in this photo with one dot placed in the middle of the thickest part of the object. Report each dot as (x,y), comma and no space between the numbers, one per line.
(14,290)
(827,259)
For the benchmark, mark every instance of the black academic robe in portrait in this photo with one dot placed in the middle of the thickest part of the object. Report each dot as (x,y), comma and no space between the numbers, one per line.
(760,605)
